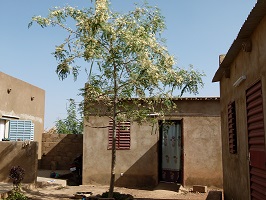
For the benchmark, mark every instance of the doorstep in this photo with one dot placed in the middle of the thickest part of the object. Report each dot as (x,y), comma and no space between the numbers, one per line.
(42,181)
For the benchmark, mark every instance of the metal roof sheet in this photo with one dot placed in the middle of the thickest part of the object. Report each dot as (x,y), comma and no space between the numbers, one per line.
(187,98)
(250,24)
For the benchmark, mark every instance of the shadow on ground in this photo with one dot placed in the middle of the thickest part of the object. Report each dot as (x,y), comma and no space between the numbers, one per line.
(37,195)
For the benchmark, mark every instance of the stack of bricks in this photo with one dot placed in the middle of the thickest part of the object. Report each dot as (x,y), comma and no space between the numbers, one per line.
(59,150)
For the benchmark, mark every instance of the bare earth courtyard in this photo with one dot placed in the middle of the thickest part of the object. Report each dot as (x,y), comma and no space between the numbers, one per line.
(48,188)
(51,191)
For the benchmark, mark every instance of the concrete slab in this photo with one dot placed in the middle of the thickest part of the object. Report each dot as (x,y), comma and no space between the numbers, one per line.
(44,178)
(42,181)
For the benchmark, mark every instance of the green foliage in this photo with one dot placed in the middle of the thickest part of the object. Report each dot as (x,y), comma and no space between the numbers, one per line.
(16,194)
(128,61)
(17,174)
(72,124)
(127,54)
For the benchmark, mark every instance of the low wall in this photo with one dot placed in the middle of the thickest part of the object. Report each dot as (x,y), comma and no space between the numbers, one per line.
(21,154)
(59,150)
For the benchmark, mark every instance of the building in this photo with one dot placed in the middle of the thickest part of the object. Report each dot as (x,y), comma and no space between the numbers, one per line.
(185,151)
(21,110)
(242,77)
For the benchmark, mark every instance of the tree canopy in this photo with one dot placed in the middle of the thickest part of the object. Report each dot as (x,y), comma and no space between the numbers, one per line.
(128,60)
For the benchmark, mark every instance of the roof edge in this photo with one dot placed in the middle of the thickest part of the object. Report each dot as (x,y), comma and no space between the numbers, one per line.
(250,24)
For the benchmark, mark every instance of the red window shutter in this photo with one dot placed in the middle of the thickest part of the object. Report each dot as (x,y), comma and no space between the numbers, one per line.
(232,128)
(122,135)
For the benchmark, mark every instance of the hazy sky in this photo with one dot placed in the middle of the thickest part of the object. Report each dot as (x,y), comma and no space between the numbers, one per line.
(198,31)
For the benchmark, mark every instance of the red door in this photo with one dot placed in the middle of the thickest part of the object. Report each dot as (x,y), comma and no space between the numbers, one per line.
(256,141)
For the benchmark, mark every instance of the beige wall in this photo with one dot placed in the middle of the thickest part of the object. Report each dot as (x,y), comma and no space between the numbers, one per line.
(253,65)
(202,151)
(19,154)
(19,103)
(139,165)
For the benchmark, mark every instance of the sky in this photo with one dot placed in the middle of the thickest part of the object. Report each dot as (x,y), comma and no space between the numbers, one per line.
(197,33)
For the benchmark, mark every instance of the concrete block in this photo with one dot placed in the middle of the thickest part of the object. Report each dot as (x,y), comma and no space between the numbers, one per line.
(52,144)
(45,135)
(45,144)
(54,136)
(199,188)
(62,136)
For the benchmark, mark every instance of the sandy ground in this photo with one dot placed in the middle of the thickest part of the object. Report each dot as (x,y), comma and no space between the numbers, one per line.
(52,191)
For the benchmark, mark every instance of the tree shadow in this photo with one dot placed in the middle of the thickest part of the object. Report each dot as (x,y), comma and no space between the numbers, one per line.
(136,178)
(60,150)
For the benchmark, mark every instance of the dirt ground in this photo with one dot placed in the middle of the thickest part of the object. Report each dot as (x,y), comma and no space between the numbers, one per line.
(52,191)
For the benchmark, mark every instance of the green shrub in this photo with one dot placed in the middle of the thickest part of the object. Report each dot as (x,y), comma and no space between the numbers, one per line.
(16,194)
(16,173)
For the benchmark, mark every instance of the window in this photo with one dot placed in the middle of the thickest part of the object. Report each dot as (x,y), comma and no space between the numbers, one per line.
(21,130)
(122,135)
(232,128)
(2,129)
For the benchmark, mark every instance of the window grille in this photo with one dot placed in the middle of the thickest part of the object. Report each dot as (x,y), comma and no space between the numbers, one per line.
(232,128)
(21,130)
(122,135)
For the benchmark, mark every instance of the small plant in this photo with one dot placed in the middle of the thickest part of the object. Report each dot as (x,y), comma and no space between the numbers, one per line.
(16,173)
(16,195)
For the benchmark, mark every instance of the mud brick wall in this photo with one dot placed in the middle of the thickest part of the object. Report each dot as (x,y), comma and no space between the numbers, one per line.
(59,150)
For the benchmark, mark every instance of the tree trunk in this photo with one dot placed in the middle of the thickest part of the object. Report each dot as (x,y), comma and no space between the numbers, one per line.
(112,180)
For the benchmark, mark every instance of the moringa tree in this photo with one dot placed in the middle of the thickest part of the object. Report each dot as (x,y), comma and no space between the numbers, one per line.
(72,124)
(128,59)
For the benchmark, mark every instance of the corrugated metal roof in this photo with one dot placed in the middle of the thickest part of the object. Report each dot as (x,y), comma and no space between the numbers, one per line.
(197,98)
(187,98)
(254,18)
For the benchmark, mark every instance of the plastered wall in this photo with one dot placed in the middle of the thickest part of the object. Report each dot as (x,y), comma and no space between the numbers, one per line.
(19,154)
(23,100)
(253,66)
(139,167)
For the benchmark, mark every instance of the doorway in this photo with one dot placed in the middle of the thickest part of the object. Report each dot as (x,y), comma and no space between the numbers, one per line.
(170,151)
